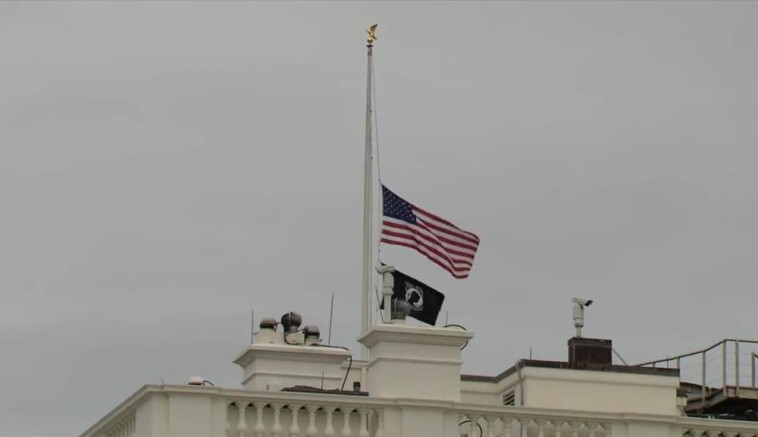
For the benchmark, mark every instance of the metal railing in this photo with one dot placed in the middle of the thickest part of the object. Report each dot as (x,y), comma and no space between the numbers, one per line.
(724,358)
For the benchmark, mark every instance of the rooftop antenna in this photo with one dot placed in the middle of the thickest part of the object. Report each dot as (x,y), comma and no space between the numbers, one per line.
(252,325)
(579,306)
(331,314)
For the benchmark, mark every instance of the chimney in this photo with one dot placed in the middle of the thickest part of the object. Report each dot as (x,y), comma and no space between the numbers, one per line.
(589,352)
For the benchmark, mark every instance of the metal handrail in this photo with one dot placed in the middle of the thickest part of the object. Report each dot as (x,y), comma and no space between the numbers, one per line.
(690,354)
(705,389)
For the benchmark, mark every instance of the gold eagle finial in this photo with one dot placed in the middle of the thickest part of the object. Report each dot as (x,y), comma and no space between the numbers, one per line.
(372,34)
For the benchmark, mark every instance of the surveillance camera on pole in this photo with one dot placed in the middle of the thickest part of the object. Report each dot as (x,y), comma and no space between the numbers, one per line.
(579,305)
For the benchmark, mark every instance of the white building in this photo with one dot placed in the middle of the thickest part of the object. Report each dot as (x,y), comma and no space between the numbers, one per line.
(412,386)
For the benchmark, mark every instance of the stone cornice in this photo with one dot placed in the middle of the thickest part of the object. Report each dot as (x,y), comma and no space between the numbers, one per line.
(315,354)
(415,335)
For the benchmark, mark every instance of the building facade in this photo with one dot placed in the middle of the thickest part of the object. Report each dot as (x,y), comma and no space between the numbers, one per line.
(412,386)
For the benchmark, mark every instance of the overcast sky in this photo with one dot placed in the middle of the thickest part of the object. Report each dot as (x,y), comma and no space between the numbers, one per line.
(164,168)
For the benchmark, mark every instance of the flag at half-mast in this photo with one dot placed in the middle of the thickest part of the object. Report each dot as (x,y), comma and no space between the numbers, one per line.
(445,244)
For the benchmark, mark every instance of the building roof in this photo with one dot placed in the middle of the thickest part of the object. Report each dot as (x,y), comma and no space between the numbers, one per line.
(565,365)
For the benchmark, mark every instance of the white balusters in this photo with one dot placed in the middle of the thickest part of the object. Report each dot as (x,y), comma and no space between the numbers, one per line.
(259,428)
(228,430)
(575,429)
(276,428)
(524,427)
(592,427)
(346,432)
(124,428)
(379,423)
(558,427)
(507,426)
(329,428)
(242,420)
(363,427)
(474,422)
(295,426)
(603,429)
(271,421)
(541,425)
(311,431)
(491,424)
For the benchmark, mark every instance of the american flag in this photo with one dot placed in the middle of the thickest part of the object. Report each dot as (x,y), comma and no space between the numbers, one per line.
(442,242)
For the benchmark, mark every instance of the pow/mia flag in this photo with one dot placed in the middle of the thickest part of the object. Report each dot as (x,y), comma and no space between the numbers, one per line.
(425,301)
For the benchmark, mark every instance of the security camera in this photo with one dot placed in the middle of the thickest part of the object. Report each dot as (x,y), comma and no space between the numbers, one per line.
(579,313)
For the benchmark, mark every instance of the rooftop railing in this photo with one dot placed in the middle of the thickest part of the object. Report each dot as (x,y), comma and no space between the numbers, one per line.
(728,367)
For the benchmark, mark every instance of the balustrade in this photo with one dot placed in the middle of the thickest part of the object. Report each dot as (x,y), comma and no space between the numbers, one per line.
(258,414)
(327,420)
(125,427)
(511,424)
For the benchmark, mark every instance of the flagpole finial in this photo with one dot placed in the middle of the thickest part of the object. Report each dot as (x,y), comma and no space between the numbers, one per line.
(371,35)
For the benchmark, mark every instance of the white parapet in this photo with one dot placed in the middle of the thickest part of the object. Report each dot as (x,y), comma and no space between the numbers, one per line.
(601,391)
(272,367)
(415,362)
(197,411)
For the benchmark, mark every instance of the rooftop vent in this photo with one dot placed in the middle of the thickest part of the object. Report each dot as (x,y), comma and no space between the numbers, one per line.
(268,323)
(291,321)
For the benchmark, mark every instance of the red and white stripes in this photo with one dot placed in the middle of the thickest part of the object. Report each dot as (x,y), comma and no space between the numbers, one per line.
(440,241)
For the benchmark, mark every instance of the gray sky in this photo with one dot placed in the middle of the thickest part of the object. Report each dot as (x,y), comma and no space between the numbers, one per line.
(165,167)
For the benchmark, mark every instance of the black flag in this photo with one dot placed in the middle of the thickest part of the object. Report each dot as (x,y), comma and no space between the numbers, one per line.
(425,301)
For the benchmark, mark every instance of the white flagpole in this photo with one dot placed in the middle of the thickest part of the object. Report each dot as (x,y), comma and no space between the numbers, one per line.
(368,179)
